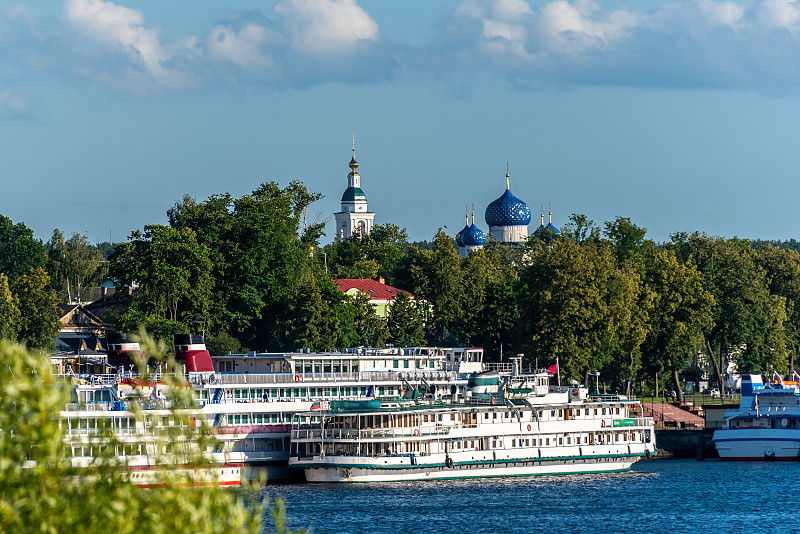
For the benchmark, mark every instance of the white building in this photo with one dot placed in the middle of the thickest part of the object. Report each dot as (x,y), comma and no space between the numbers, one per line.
(354,219)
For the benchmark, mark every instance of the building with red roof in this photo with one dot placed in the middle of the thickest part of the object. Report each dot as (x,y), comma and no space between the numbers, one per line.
(380,295)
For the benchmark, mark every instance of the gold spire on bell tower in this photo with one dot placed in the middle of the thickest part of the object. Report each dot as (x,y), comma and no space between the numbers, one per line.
(353,162)
(473,213)
(541,213)
(549,214)
(466,214)
(508,186)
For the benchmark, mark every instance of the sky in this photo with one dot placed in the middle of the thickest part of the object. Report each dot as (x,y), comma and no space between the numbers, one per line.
(682,116)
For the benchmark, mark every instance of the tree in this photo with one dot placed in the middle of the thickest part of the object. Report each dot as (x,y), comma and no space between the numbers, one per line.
(44,492)
(404,321)
(782,267)
(173,274)
(260,257)
(315,318)
(9,311)
(489,313)
(377,253)
(580,229)
(38,308)
(76,264)
(370,330)
(747,321)
(682,311)
(630,302)
(564,306)
(19,250)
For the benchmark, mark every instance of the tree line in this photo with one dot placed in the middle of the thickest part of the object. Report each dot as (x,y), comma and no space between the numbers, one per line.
(250,273)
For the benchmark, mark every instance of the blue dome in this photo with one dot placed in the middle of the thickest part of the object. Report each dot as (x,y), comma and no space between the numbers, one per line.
(460,236)
(552,227)
(539,230)
(508,210)
(472,236)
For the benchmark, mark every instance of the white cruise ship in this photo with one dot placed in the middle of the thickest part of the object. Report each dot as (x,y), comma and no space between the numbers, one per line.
(524,427)
(766,426)
(246,402)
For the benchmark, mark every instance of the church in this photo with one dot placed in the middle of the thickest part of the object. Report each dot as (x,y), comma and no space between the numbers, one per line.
(508,218)
(354,219)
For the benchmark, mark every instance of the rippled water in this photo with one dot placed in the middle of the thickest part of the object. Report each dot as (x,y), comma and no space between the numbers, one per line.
(663,496)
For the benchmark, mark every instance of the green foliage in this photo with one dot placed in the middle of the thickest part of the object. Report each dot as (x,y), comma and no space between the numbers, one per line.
(682,311)
(9,311)
(260,259)
(173,274)
(405,321)
(580,229)
(745,316)
(565,300)
(38,308)
(370,330)
(223,343)
(75,265)
(48,494)
(43,492)
(378,253)
(19,250)
(319,317)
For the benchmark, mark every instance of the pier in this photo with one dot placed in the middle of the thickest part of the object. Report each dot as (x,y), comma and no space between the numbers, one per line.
(685,431)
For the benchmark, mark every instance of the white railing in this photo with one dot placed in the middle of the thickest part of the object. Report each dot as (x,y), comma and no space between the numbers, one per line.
(313,378)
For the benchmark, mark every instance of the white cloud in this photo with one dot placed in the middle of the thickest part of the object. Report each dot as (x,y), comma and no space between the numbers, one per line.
(510,10)
(780,13)
(242,47)
(326,27)
(118,26)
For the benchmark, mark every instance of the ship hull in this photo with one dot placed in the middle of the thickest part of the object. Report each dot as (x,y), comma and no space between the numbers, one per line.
(758,444)
(327,470)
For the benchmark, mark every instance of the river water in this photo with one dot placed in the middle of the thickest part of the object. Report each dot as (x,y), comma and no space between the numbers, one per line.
(662,496)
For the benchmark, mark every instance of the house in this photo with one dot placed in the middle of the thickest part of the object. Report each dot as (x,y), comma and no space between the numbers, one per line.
(380,295)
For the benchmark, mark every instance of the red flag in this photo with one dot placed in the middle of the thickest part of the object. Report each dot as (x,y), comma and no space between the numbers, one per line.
(553,369)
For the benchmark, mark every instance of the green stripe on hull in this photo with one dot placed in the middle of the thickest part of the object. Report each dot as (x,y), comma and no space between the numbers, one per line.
(487,462)
(623,470)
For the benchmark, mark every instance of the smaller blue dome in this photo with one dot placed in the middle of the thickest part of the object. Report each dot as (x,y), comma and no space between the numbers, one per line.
(508,210)
(473,236)
(553,228)
(460,236)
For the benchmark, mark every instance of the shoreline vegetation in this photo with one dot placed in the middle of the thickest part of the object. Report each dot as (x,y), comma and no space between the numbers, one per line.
(41,491)
(251,273)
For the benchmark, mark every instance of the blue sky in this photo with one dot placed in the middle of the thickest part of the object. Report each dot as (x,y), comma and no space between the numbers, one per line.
(682,116)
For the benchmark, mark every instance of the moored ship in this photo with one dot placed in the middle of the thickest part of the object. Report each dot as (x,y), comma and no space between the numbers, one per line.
(245,401)
(526,427)
(766,426)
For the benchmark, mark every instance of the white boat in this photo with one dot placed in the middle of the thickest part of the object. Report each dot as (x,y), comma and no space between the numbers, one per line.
(246,401)
(529,429)
(766,426)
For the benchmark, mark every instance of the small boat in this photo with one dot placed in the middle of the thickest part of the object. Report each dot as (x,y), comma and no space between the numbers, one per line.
(766,426)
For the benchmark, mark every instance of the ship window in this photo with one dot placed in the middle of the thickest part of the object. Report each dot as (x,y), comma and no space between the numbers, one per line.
(547,441)
(396,363)
(604,411)
(617,411)
(405,364)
